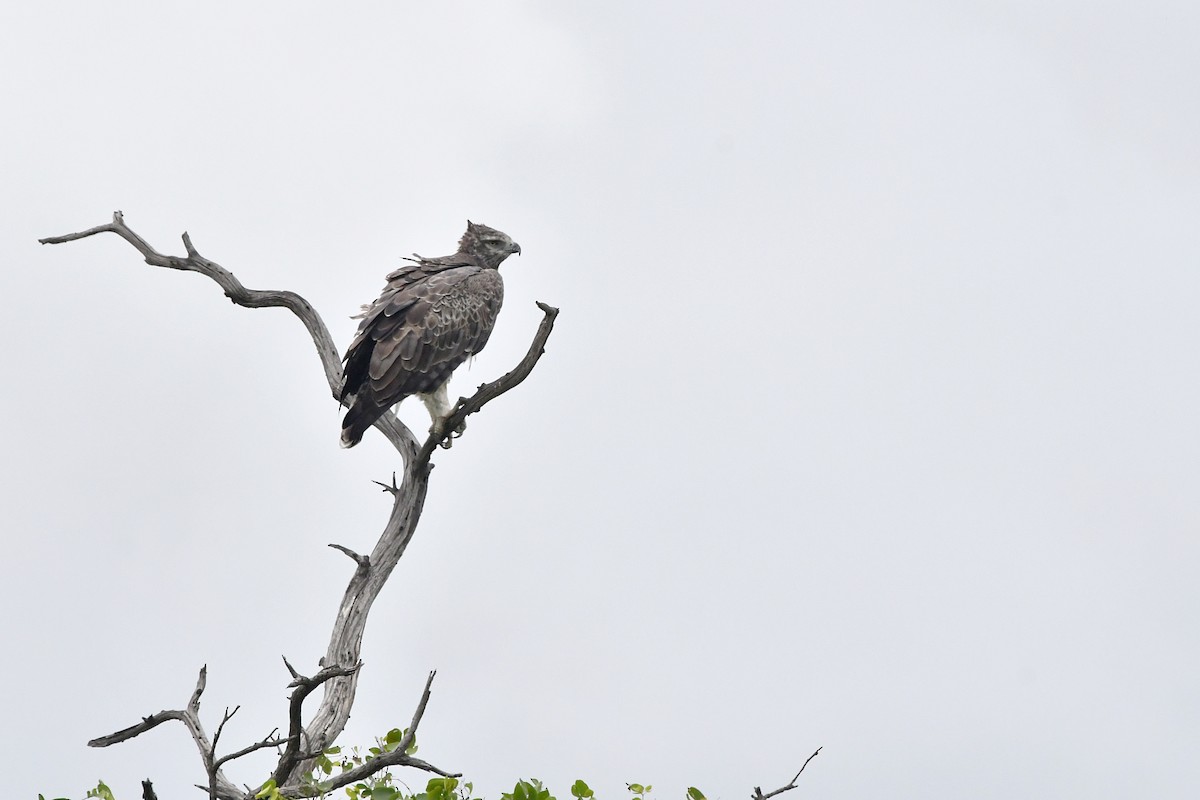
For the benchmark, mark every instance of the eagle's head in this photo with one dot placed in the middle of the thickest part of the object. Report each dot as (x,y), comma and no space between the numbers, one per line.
(488,245)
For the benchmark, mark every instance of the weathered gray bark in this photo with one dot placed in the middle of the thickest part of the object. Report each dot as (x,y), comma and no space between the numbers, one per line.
(340,667)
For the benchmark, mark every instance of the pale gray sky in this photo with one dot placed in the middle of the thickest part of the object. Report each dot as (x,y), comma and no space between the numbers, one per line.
(870,420)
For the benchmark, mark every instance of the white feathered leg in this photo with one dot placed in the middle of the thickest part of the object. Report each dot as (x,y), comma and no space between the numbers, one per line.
(438,404)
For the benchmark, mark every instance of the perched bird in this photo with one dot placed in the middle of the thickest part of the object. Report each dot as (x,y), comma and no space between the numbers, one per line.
(432,316)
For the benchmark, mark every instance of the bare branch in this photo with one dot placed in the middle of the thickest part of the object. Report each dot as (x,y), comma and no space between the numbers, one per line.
(214,764)
(490,391)
(152,721)
(393,489)
(758,793)
(201,682)
(364,562)
(217,736)
(190,717)
(410,737)
(270,740)
(331,361)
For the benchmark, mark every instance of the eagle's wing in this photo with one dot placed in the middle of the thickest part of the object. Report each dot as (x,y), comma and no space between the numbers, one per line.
(428,320)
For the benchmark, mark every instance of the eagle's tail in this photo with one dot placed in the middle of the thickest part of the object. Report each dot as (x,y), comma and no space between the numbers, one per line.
(360,417)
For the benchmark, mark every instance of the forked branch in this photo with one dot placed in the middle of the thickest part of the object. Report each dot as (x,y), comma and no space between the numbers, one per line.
(219,786)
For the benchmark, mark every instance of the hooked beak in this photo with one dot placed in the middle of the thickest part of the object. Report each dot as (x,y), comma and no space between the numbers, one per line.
(516,248)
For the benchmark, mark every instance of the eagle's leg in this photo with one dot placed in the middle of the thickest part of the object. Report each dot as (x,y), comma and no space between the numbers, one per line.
(440,408)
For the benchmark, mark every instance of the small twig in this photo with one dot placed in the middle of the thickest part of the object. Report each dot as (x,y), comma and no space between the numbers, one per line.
(758,793)
(217,736)
(211,764)
(393,489)
(364,562)
(270,740)
(407,740)
(490,391)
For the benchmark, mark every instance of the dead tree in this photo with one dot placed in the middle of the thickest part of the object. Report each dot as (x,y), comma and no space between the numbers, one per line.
(340,666)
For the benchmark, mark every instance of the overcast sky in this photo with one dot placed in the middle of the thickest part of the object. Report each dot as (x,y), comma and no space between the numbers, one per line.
(870,421)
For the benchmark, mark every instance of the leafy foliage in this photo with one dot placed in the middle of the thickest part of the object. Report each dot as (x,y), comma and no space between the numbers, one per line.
(101,792)
(382,785)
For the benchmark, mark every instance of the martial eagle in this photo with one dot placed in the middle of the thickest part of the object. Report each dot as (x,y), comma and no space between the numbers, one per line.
(432,316)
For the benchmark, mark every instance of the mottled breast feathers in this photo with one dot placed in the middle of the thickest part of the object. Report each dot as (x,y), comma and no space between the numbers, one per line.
(431,317)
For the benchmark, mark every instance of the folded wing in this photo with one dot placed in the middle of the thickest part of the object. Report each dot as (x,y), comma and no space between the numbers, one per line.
(431,317)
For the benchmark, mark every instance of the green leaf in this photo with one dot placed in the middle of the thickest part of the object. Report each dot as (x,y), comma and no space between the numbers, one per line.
(580,789)
(333,751)
(438,788)
(524,790)
(636,788)
(101,791)
(384,793)
(695,794)
(267,790)
(648,787)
